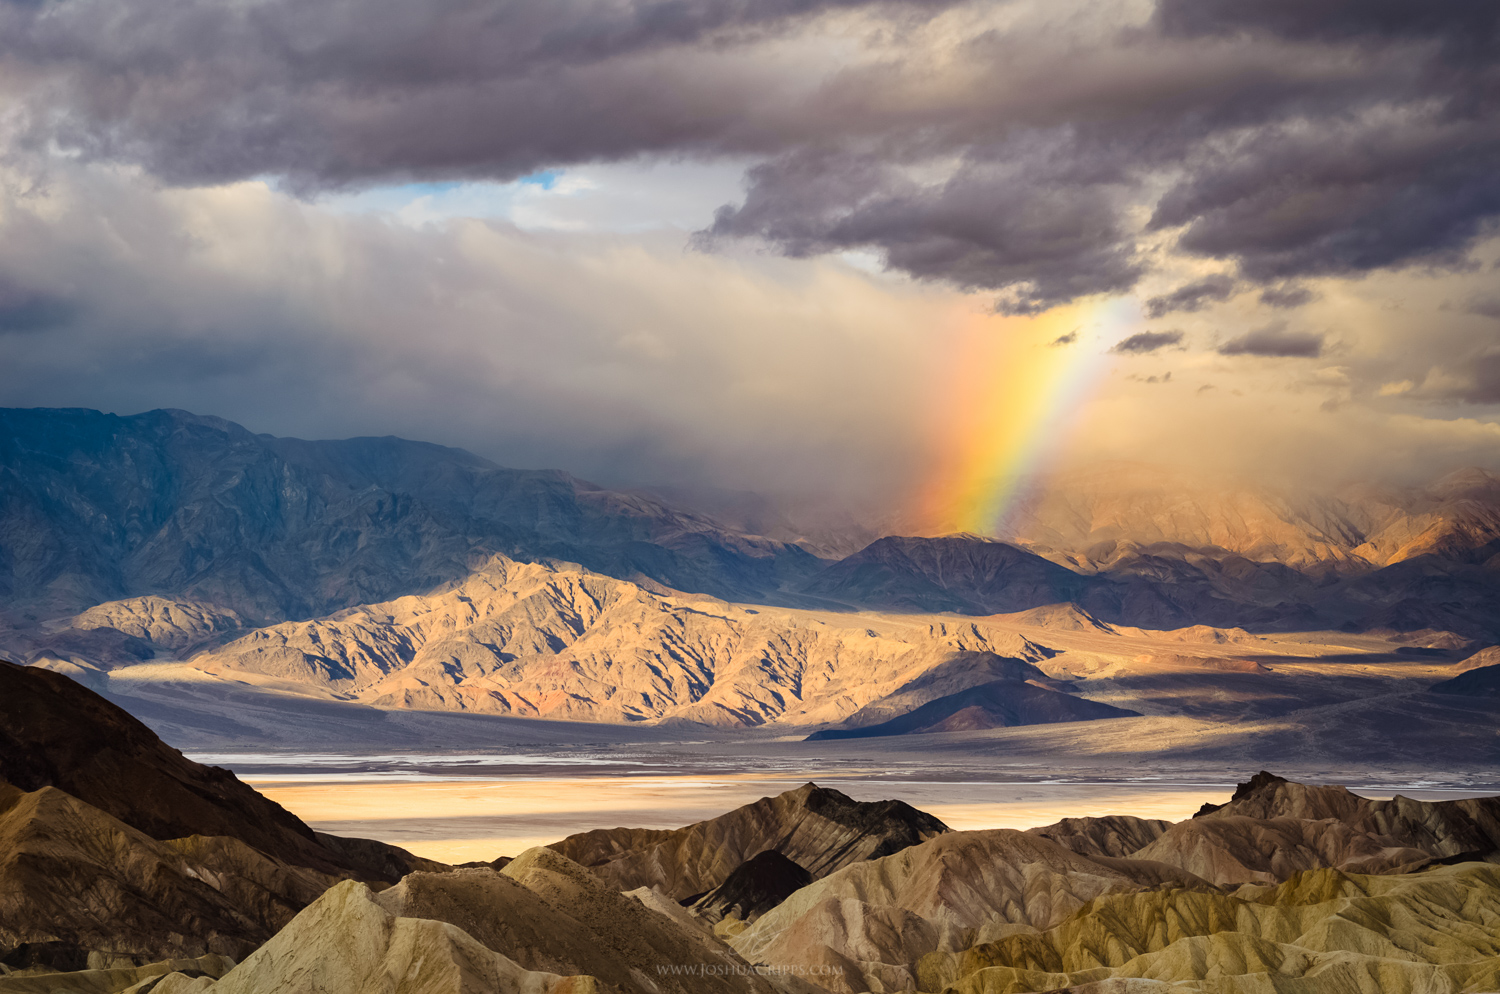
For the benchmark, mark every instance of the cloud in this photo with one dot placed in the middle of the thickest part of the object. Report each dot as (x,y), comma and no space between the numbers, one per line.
(23,309)
(1192,296)
(1275,340)
(1028,225)
(1287,296)
(1068,339)
(1146,342)
(1463,26)
(1032,151)
(1485,305)
(619,358)
(1475,381)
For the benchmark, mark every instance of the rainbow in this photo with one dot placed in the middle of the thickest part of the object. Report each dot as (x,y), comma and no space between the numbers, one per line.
(1010,402)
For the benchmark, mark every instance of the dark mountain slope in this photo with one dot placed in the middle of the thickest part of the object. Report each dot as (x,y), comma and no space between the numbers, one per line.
(1168,585)
(819,829)
(95,507)
(1001,704)
(1481,682)
(756,886)
(961,573)
(75,881)
(963,671)
(57,733)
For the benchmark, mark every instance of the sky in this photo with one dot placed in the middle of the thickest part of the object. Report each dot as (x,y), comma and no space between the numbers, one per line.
(895,255)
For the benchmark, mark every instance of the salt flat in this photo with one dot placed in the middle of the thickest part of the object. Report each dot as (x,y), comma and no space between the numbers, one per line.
(461,821)
(430,806)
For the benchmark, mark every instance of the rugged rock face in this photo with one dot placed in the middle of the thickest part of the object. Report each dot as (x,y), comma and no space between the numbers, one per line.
(346,941)
(56,733)
(754,887)
(543,926)
(185,974)
(97,508)
(819,829)
(634,936)
(1001,704)
(1323,931)
(1286,886)
(76,883)
(956,573)
(1112,835)
(867,926)
(552,640)
(1272,829)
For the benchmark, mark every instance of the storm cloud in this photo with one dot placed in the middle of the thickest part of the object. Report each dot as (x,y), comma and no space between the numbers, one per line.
(1147,342)
(1192,296)
(1275,341)
(781,234)
(1017,149)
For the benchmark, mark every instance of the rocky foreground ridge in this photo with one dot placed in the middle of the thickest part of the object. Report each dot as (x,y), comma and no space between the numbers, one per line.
(1284,887)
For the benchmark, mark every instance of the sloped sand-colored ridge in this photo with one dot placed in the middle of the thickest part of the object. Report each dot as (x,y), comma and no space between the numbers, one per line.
(1322,932)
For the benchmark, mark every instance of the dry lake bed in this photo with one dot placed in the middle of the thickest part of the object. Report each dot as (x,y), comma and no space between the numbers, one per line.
(467,808)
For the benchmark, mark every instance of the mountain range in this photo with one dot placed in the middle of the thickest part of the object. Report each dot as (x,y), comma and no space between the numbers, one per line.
(166,547)
(97,508)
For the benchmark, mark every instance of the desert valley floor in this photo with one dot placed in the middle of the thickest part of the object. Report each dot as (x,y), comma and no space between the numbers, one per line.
(460,819)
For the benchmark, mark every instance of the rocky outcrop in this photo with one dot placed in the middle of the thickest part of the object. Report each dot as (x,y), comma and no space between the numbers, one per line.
(819,829)
(1273,828)
(346,942)
(79,886)
(1321,931)
(117,979)
(601,845)
(867,926)
(647,943)
(1111,835)
(56,733)
(545,925)
(754,887)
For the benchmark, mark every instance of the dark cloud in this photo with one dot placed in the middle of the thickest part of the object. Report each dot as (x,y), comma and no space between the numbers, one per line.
(1193,296)
(1068,339)
(1032,226)
(1484,380)
(1146,342)
(1485,305)
(1363,194)
(374,90)
(23,309)
(1474,380)
(1287,139)
(1275,340)
(1463,26)
(1288,296)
